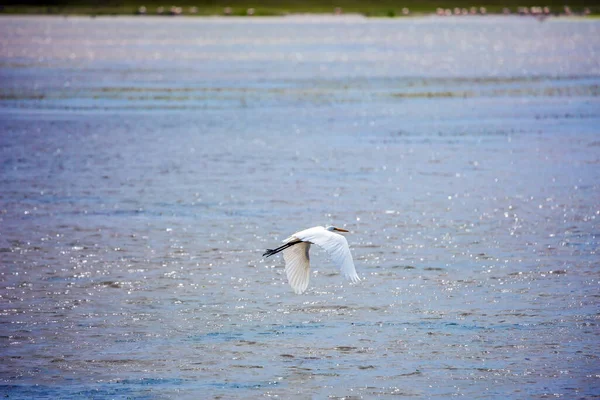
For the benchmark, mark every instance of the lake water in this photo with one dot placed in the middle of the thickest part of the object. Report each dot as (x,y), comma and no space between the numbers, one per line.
(146,163)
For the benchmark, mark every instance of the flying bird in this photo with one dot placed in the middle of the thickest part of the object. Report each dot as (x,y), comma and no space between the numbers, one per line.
(297,262)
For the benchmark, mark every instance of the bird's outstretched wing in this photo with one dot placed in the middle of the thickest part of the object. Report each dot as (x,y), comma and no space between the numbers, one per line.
(297,266)
(335,245)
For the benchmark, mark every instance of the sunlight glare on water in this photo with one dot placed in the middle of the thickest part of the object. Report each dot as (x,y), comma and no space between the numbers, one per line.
(145,165)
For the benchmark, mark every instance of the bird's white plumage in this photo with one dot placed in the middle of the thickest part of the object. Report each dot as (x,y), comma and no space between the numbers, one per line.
(297,266)
(297,261)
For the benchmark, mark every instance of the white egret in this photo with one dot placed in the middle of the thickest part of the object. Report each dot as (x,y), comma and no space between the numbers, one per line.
(297,262)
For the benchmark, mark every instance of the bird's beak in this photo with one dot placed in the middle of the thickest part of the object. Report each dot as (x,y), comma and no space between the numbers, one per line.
(341,230)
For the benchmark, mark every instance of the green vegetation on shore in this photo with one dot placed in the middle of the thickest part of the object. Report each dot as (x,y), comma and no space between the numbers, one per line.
(377,8)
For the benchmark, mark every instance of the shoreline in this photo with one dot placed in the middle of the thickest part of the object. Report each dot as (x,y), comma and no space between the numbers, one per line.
(393,12)
(300,15)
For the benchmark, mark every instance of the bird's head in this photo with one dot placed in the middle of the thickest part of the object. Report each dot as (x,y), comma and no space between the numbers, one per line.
(335,229)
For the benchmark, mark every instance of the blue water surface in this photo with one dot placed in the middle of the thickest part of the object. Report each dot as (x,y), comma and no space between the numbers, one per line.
(146,163)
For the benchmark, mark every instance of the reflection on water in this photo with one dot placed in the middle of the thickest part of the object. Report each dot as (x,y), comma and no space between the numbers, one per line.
(145,165)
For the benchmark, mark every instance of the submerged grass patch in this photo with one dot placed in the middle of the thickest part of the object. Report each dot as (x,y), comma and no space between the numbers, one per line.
(323,93)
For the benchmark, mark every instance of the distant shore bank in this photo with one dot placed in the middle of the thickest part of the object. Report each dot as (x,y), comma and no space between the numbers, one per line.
(238,10)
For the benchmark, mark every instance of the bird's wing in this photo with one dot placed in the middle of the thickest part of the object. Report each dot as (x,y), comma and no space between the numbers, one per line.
(305,233)
(336,246)
(297,266)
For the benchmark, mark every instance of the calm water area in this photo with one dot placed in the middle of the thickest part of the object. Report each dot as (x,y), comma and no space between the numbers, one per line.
(146,164)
